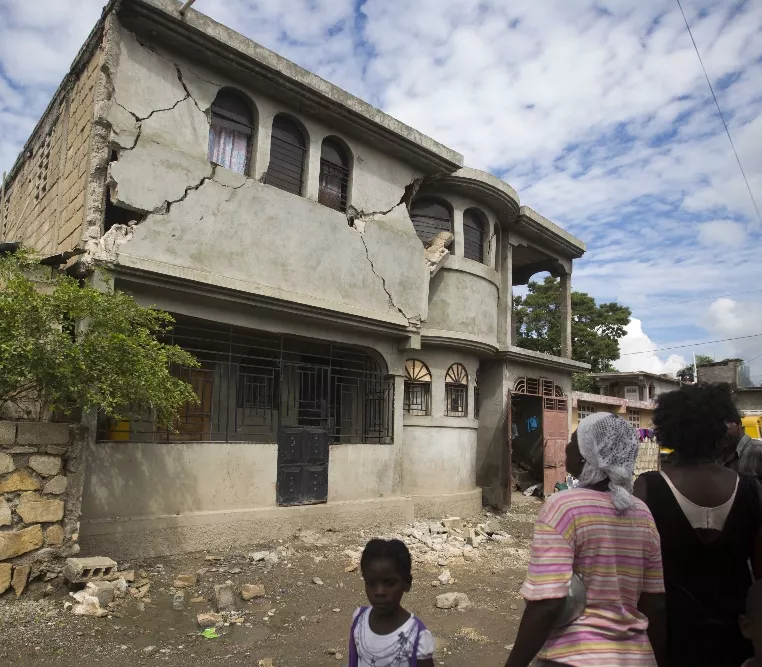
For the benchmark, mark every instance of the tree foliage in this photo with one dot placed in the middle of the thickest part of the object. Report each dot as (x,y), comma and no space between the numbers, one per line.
(596,329)
(66,345)
(686,373)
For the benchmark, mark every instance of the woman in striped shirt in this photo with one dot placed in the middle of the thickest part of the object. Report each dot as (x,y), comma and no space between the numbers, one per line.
(604,535)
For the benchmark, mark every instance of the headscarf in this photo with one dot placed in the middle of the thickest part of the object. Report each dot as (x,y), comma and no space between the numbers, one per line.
(609,446)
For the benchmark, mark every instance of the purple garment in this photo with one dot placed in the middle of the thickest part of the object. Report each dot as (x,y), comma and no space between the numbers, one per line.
(353,658)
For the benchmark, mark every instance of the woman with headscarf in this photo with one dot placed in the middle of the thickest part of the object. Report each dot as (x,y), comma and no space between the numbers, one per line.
(600,534)
(710,522)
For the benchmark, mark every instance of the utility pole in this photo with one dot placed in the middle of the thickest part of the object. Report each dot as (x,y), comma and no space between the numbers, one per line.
(695,369)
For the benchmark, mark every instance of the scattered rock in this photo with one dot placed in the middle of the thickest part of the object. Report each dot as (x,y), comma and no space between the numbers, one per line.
(5,577)
(16,542)
(351,568)
(514,607)
(336,610)
(6,519)
(128,576)
(271,558)
(6,464)
(445,578)
(251,591)
(56,486)
(197,600)
(453,601)
(20,578)
(148,650)
(178,601)
(339,656)
(257,556)
(54,536)
(234,570)
(20,480)
(436,583)
(224,597)
(209,620)
(491,527)
(213,559)
(437,528)
(266,662)
(33,508)
(88,605)
(106,591)
(185,581)
(471,539)
(317,580)
(47,466)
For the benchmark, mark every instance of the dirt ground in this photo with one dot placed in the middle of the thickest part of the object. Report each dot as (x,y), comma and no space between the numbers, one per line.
(299,622)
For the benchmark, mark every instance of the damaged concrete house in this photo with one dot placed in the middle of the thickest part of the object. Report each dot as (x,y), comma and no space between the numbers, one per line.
(344,280)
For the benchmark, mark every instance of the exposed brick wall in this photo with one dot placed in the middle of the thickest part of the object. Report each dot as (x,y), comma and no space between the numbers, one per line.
(44,204)
(41,478)
(724,372)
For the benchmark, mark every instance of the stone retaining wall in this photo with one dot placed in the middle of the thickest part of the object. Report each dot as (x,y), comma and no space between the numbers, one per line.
(41,478)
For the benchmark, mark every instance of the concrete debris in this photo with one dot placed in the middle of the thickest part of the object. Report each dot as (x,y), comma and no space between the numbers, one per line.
(128,576)
(266,662)
(445,578)
(209,620)
(251,591)
(88,605)
(453,523)
(224,596)
(106,591)
(317,580)
(178,601)
(197,600)
(213,559)
(436,253)
(437,528)
(257,556)
(351,568)
(185,581)
(453,601)
(271,558)
(82,570)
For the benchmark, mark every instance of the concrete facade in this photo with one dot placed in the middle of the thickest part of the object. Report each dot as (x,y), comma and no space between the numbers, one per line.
(246,262)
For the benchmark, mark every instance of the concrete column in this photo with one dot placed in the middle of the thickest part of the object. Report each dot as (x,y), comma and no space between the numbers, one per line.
(458,245)
(311,186)
(260,154)
(505,294)
(565,308)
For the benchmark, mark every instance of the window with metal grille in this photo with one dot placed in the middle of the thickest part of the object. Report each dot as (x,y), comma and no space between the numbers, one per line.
(287,155)
(584,410)
(250,385)
(456,391)
(417,399)
(429,218)
(473,235)
(43,166)
(231,131)
(633,416)
(334,175)
(553,396)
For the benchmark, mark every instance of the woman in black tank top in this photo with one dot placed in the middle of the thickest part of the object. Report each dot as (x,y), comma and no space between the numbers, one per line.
(706,570)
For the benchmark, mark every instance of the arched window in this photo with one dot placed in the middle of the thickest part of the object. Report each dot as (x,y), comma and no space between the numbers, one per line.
(429,218)
(417,399)
(334,175)
(473,235)
(287,155)
(231,131)
(456,391)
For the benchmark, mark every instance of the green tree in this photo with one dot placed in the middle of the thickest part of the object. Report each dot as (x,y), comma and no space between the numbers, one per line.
(64,345)
(596,329)
(686,373)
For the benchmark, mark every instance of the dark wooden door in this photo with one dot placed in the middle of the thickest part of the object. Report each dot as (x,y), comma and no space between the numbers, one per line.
(302,466)
(555,424)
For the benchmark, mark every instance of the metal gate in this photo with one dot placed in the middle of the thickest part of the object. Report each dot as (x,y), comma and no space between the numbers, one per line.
(555,425)
(302,466)
(556,436)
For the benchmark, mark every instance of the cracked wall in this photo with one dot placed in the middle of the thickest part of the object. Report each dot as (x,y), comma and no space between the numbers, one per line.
(263,240)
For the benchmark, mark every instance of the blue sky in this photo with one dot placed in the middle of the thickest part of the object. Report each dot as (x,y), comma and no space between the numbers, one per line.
(597,112)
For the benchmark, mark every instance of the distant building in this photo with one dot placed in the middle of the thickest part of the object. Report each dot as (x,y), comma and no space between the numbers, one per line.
(634,386)
(731,371)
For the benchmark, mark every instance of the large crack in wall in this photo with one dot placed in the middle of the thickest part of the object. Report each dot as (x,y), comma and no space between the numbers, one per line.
(128,121)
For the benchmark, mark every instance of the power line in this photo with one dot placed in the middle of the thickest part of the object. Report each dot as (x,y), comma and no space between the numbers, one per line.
(701,298)
(727,131)
(678,347)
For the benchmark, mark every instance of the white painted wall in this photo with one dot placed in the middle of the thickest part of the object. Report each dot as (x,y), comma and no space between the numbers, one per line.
(439,460)
(358,472)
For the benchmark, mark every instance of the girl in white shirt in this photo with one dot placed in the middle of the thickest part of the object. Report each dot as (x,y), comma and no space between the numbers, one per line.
(385,634)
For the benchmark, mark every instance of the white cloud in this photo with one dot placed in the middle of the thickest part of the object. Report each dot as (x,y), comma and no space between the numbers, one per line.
(637,353)
(722,233)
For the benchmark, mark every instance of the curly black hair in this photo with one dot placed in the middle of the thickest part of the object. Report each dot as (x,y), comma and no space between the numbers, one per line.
(395,551)
(693,420)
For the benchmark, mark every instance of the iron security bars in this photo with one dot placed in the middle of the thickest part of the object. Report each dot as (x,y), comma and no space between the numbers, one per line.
(252,384)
